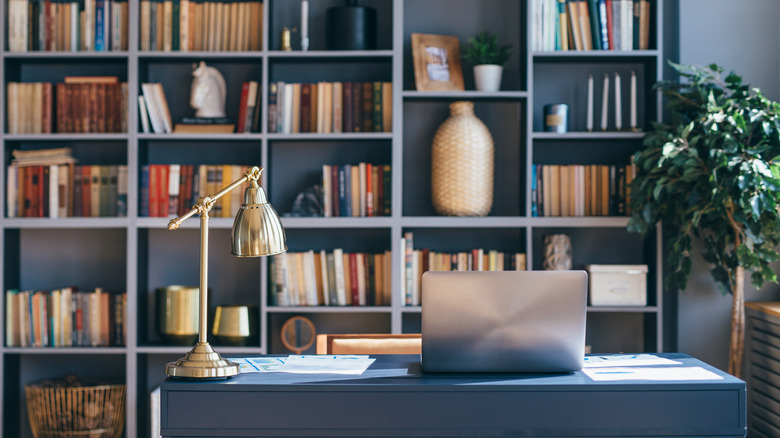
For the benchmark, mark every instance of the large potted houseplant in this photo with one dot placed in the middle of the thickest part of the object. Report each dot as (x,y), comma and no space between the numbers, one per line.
(712,171)
(488,59)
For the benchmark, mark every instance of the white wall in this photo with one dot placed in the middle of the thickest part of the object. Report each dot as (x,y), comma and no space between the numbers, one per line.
(742,36)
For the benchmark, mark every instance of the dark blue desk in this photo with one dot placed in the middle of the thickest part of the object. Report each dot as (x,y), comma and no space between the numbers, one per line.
(394,398)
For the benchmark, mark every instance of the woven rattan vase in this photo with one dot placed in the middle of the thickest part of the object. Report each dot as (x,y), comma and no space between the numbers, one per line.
(462,164)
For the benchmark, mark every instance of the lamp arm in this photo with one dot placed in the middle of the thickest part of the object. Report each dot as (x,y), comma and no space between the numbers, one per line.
(205,203)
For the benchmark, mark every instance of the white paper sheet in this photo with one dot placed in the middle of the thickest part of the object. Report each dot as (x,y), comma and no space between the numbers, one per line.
(258,364)
(647,373)
(627,360)
(326,364)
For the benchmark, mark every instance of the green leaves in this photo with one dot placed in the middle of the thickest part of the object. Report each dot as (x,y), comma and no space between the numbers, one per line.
(712,170)
(484,49)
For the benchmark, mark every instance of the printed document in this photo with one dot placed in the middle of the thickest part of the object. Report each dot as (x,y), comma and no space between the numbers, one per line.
(650,373)
(258,364)
(627,360)
(326,364)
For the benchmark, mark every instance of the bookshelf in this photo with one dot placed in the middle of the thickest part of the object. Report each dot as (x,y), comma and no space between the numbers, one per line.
(137,254)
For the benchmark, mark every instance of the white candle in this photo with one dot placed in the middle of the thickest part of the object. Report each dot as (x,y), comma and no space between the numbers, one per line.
(305,25)
(633,100)
(618,108)
(589,121)
(605,103)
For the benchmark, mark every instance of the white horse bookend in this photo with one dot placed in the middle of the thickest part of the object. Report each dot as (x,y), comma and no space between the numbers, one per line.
(208,91)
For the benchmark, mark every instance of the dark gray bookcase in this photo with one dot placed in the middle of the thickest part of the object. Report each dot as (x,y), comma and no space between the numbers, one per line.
(137,254)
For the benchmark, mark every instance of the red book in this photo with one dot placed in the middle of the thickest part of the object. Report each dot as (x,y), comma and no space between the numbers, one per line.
(43,210)
(62,105)
(101,115)
(162,197)
(27,177)
(369,191)
(353,275)
(242,107)
(154,190)
(610,36)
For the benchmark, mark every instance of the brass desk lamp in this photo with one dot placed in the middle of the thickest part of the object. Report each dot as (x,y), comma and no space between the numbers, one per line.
(257,231)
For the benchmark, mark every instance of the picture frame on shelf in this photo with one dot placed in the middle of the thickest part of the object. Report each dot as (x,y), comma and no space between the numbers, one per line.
(437,62)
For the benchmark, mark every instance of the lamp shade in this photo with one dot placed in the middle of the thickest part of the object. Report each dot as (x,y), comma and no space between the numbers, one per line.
(257,230)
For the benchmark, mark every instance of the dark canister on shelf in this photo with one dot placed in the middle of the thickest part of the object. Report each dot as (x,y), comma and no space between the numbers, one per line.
(351,27)
(555,117)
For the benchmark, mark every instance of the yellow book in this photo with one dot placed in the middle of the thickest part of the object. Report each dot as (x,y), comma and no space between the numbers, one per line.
(145,23)
(233,26)
(167,26)
(355,190)
(255,28)
(387,106)
(227,174)
(327,108)
(555,190)
(565,191)
(296,108)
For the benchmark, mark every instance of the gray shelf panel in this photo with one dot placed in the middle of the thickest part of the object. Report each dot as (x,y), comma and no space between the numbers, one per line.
(583,222)
(329,309)
(466,222)
(60,55)
(337,222)
(336,54)
(624,309)
(199,55)
(333,136)
(411,309)
(580,135)
(482,95)
(193,222)
(121,136)
(69,222)
(65,350)
(204,137)
(593,54)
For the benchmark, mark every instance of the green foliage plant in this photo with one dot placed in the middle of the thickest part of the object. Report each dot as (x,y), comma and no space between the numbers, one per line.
(713,171)
(484,49)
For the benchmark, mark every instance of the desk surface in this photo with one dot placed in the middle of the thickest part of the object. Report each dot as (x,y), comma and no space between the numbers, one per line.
(395,398)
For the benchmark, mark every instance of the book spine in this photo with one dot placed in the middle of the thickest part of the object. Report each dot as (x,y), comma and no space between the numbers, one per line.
(377,107)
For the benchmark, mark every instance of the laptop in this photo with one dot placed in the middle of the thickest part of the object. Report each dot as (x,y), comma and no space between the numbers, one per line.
(503,321)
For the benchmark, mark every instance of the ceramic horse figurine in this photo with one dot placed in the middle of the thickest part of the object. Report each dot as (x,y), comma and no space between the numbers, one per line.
(208,91)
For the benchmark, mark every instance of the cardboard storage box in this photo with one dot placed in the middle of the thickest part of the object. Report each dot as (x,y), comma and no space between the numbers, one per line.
(618,285)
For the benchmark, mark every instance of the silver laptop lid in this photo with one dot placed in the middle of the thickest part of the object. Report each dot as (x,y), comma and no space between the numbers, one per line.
(505,321)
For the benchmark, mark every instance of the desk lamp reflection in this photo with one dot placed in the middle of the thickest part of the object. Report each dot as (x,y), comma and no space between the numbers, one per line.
(257,231)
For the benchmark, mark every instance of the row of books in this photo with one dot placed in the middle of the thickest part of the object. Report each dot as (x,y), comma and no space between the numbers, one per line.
(67,190)
(356,190)
(337,278)
(414,262)
(67,25)
(172,189)
(326,107)
(154,110)
(79,105)
(64,318)
(581,190)
(622,25)
(211,25)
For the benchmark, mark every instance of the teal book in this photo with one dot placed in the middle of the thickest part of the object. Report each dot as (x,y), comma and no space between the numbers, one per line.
(595,27)
(175,25)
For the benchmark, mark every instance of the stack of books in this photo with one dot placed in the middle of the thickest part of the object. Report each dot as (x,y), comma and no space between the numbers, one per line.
(621,25)
(211,25)
(361,190)
(67,25)
(330,279)
(327,107)
(581,190)
(64,318)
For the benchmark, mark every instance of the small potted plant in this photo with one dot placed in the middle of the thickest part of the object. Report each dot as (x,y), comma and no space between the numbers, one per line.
(488,59)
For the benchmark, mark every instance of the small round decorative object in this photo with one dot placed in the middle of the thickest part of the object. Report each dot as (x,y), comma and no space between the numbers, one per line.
(462,164)
(298,334)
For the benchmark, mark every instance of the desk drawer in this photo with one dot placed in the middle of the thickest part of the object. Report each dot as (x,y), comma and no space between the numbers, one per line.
(442,413)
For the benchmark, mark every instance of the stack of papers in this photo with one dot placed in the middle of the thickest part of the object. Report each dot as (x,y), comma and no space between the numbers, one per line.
(638,367)
(307,364)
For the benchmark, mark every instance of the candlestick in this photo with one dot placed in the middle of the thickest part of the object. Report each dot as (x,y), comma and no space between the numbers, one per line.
(618,107)
(605,103)
(633,101)
(305,25)
(589,120)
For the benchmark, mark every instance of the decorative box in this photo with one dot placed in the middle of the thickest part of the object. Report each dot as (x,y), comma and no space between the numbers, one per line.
(618,285)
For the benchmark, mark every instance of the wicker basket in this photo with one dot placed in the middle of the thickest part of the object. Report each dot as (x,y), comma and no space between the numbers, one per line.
(462,164)
(84,411)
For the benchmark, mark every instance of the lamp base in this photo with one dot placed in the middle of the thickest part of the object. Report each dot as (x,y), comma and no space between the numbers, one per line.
(201,363)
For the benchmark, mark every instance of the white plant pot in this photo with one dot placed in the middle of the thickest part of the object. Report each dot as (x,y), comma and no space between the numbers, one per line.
(488,77)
